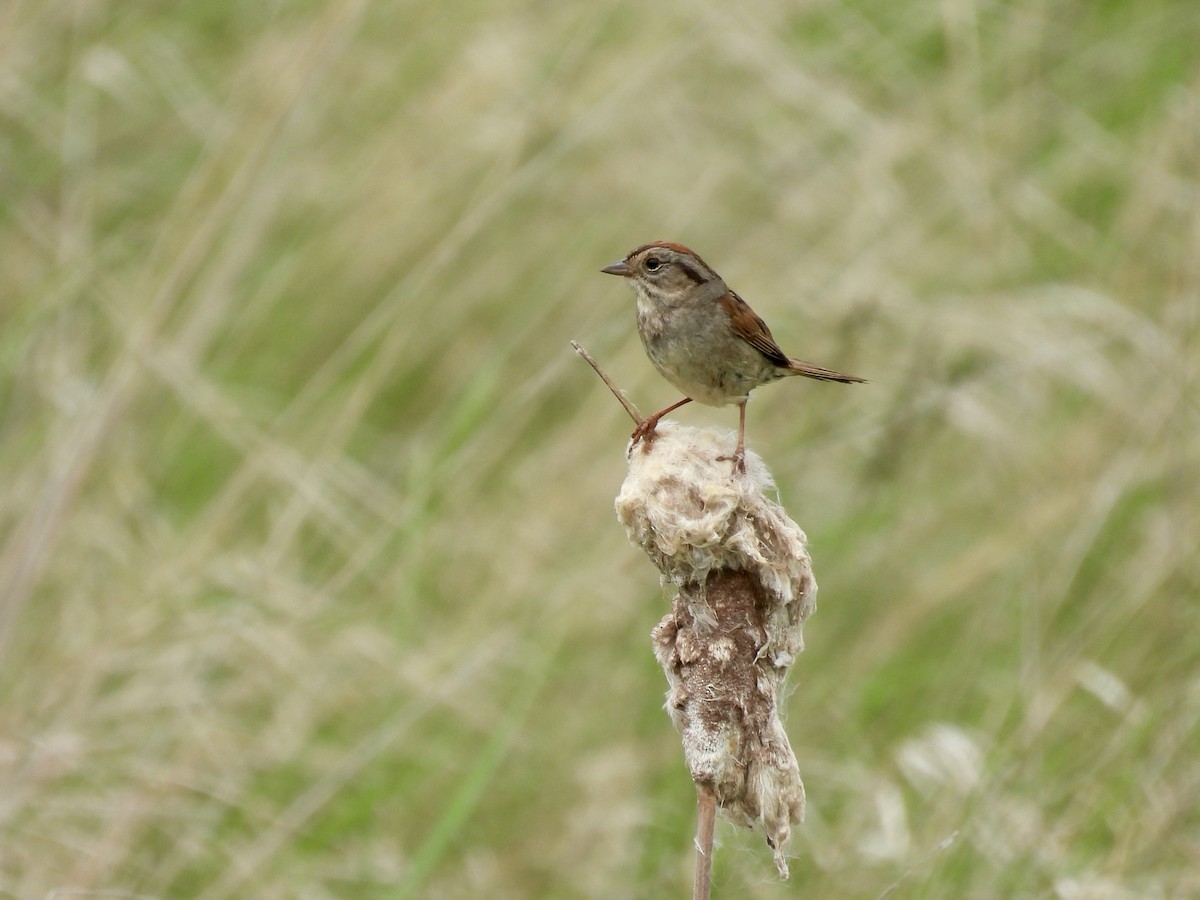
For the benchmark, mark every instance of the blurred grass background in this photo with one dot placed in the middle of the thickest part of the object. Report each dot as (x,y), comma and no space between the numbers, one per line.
(311,581)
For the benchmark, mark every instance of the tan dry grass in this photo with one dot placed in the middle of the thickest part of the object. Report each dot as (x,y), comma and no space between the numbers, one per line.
(310,581)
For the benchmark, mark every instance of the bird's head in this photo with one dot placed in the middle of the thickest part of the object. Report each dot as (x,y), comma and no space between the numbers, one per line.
(663,270)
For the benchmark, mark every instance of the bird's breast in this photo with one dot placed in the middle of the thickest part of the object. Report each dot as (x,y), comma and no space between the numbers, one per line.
(680,350)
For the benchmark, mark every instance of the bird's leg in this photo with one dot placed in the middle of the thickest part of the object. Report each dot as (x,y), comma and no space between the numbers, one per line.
(645,430)
(739,455)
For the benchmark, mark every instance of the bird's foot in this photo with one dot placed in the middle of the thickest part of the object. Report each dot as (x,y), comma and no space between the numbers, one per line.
(738,459)
(644,433)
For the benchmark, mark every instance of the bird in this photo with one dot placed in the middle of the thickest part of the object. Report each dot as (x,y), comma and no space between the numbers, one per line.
(702,337)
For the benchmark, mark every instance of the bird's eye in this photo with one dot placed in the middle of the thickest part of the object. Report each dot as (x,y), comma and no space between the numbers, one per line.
(653,264)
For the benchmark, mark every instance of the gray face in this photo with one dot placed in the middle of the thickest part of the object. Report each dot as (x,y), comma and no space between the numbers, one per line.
(666,271)
(663,269)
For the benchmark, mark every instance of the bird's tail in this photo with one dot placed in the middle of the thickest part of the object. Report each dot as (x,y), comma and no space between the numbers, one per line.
(798,367)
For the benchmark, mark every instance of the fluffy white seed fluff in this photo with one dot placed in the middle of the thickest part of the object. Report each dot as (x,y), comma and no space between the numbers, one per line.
(745,585)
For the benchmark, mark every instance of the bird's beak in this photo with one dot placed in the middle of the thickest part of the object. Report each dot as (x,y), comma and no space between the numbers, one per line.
(618,268)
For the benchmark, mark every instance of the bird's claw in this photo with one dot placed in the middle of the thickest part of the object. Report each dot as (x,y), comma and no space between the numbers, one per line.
(738,459)
(644,433)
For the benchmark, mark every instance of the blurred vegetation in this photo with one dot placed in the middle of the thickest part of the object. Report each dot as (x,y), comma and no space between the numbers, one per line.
(311,585)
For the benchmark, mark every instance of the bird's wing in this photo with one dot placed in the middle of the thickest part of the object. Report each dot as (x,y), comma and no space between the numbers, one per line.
(749,327)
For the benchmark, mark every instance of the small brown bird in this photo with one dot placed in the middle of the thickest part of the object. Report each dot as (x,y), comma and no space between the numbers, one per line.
(703,337)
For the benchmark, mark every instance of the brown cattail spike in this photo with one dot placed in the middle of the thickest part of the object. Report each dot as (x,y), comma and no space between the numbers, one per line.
(745,587)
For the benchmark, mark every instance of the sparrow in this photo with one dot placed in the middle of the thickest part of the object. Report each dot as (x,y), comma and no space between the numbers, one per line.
(702,337)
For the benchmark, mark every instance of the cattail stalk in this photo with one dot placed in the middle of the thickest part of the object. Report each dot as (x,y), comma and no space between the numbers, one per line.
(744,587)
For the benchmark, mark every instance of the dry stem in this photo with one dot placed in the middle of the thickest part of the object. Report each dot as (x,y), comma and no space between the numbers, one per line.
(617,392)
(706,816)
